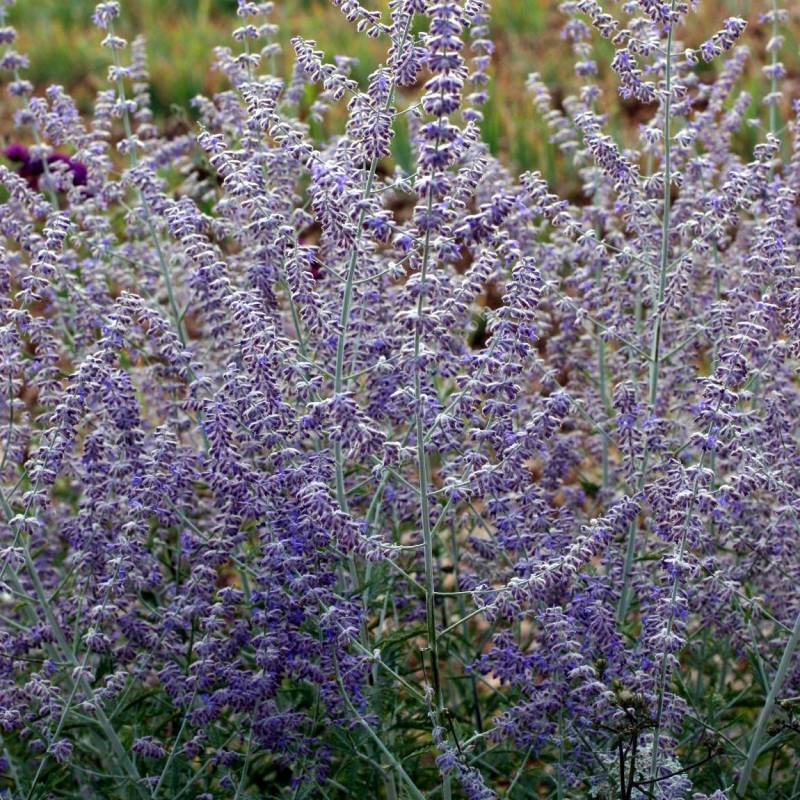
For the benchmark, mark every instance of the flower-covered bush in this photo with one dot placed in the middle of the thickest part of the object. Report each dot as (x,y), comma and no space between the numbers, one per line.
(322,478)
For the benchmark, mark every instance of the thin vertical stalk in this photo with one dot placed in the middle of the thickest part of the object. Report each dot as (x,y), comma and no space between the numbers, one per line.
(134,160)
(422,466)
(662,681)
(425,518)
(12,768)
(655,342)
(601,359)
(602,368)
(773,86)
(411,787)
(422,469)
(662,677)
(339,372)
(766,710)
(247,757)
(347,299)
(773,129)
(462,611)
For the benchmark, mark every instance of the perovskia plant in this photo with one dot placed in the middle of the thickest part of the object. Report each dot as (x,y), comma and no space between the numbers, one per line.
(320,477)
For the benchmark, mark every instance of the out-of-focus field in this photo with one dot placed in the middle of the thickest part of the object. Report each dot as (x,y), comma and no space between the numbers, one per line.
(65,48)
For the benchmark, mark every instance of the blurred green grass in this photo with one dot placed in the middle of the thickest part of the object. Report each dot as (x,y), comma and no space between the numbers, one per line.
(181,34)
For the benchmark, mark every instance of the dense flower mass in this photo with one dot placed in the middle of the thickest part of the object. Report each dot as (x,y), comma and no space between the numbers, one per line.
(320,477)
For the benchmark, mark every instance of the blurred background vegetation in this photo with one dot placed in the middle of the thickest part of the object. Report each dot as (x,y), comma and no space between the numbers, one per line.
(65,48)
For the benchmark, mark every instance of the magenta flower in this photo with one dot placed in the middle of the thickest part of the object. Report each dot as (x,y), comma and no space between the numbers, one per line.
(33,168)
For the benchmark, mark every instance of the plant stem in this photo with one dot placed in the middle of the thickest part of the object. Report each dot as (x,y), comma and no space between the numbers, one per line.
(655,342)
(413,791)
(347,299)
(773,88)
(766,710)
(134,160)
(422,466)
